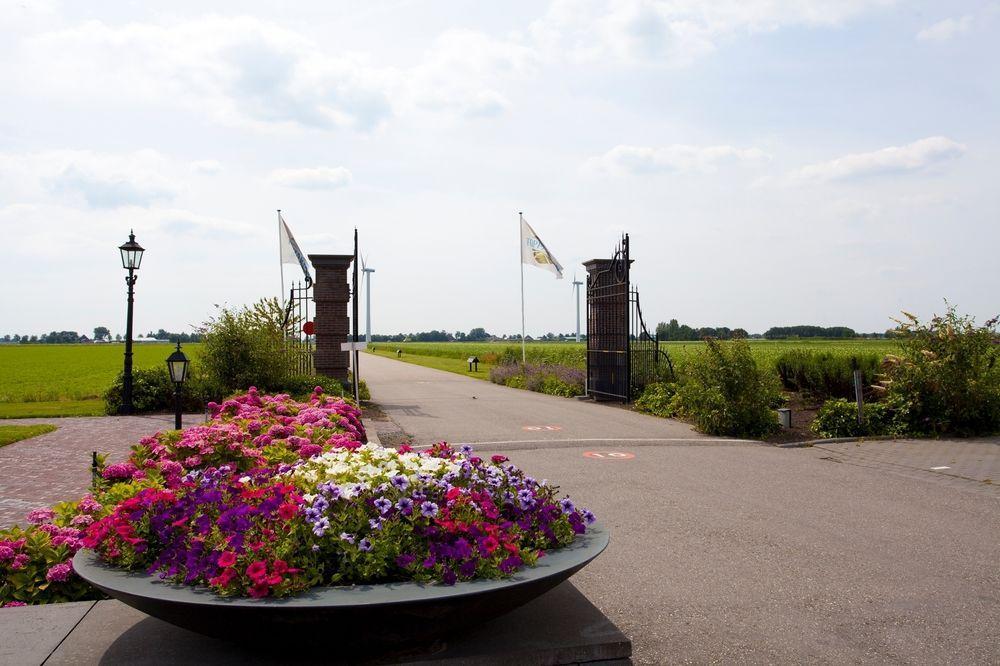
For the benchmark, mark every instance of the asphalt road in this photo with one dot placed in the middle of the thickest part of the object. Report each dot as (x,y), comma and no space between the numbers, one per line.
(727,551)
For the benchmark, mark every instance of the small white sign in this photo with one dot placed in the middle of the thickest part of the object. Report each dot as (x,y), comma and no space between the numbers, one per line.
(940,468)
(349,346)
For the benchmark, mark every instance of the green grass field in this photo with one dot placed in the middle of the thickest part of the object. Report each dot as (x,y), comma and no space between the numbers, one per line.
(67,380)
(574,354)
(15,433)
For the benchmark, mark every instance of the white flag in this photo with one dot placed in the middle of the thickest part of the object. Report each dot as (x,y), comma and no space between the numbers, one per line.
(534,252)
(290,252)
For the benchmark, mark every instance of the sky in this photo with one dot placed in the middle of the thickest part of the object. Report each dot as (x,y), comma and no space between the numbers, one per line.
(775,162)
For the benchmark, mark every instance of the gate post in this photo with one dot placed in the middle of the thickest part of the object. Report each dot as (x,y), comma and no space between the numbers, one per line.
(332,293)
(608,363)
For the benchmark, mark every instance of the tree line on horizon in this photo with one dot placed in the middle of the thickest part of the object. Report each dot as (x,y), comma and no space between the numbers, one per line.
(101,334)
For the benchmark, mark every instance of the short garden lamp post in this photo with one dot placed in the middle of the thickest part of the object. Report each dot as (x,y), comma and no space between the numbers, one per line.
(131,258)
(177,365)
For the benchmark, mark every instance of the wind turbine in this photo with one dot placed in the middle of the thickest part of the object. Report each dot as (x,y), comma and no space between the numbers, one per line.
(368,298)
(576,289)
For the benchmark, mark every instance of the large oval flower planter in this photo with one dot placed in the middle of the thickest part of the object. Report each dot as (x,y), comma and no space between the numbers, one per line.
(359,617)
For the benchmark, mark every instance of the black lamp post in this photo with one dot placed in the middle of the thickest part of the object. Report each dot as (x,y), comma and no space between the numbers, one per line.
(131,258)
(177,366)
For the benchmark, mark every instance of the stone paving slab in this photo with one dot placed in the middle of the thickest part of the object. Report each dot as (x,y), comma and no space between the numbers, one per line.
(972,465)
(560,627)
(55,467)
(28,635)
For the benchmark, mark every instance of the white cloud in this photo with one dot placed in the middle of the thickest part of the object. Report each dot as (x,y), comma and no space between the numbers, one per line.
(241,71)
(319,178)
(250,72)
(100,180)
(624,159)
(912,157)
(674,32)
(460,72)
(944,30)
(207,167)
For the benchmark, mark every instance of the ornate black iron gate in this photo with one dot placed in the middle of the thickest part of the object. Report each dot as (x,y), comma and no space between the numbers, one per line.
(299,338)
(622,357)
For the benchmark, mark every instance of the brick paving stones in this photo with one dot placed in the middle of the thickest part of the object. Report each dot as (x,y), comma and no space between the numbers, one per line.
(56,466)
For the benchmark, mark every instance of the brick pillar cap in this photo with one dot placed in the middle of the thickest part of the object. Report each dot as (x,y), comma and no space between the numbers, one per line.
(593,263)
(331,260)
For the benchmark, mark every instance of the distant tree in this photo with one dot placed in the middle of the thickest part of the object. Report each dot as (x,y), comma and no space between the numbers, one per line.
(477,335)
(16,338)
(118,337)
(740,333)
(34,338)
(101,332)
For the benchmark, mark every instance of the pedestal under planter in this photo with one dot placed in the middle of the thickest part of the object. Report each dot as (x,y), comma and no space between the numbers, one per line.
(359,618)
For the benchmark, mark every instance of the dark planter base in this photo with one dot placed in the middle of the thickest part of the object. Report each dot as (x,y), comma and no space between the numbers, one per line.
(392,617)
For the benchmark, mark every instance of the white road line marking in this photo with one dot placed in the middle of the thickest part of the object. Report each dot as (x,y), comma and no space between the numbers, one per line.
(934,469)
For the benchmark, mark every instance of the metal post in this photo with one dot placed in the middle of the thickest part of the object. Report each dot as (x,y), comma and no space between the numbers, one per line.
(177,406)
(368,304)
(127,379)
(858,391)
(520,259)
(93,471)
(576,286)
(354,325)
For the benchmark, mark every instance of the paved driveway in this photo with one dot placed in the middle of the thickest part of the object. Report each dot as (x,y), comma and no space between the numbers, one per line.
(726,551)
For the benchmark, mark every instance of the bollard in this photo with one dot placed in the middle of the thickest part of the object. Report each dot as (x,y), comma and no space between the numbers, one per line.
(785,417)
(858,391)
(93,471)
(399,353)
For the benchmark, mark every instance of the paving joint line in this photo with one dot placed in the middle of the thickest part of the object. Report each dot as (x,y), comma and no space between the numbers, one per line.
(72,629)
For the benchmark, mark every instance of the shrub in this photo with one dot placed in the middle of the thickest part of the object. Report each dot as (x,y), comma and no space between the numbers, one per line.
(825,375)
(152,391)
(551,379)
(948,372)
(839,418)
(246,347)
(658,399)
(725,393)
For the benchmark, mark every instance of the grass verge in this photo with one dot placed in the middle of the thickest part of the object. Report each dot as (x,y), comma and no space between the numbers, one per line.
(54,408)
(15,433)
(456,365)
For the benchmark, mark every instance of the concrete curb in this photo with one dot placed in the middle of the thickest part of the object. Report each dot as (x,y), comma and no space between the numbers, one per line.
(371,433)
(833,440)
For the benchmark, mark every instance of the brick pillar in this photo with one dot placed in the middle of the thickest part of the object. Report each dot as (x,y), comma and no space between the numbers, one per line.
(332,293)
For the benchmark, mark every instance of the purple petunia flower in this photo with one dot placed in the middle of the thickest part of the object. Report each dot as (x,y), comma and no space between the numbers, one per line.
(365,545)
(349,538)
(567,505)
(383,505)
(466,449)
(405,505)
(405,560)
(375,523)
(429,509)
(589,516)
(400,482)
(321,526)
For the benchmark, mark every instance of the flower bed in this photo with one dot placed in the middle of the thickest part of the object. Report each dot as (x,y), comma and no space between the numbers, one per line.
(273,497)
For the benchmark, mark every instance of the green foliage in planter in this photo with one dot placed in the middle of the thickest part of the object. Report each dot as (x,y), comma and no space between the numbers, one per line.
(725,392)
(825,375)
(948,372)
(658,399)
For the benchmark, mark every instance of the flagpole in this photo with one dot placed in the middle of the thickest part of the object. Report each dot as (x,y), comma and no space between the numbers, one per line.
(520,250)
(281,261)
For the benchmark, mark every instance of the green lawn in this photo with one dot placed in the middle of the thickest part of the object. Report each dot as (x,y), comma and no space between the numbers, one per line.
(456,365)
(575,354)
(15,433)
(68,380)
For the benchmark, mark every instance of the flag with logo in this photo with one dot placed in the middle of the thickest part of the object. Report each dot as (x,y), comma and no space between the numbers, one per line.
(290,252)
(534,252)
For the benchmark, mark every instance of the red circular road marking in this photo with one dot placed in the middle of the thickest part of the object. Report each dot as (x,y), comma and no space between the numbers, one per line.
(608,455)
(536,428)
